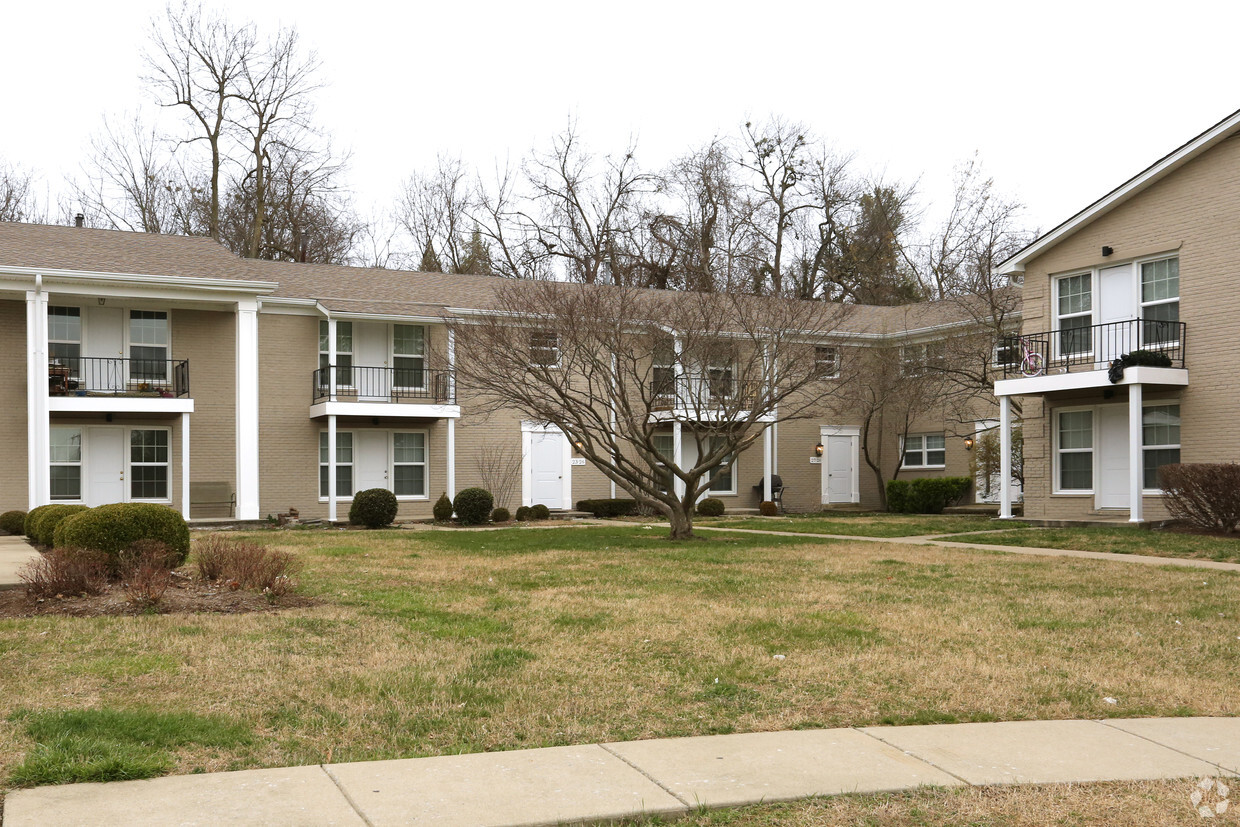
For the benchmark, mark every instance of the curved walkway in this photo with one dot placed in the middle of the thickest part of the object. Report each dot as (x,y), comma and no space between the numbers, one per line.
(668,777)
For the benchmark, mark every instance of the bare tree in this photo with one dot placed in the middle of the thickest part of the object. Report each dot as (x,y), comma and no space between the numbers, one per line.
(434,210)
(17,201)
(620,370)
(499,468)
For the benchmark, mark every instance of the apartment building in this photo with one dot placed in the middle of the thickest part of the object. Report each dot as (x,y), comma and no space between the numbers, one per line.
(165,369)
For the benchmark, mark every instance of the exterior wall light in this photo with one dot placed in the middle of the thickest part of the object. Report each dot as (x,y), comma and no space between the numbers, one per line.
(578,444)
(818,450)
(968,443)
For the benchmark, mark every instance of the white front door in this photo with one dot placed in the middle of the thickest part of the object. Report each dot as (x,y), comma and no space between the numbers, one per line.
(1112,490)
(840,481)
(370,460)
(371,349)
(105,342)
(1117,302)
(105,465)
(547,468)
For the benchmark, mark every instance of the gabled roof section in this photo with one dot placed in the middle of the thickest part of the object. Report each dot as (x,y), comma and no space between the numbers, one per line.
(1155,172)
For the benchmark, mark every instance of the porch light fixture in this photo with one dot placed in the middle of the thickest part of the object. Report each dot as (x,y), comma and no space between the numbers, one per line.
(818,450)
(578,444)
(968,443)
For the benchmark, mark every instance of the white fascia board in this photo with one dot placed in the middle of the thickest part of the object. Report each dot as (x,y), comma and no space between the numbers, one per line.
(1085,380)
(400,410)
(112,404)
(52,276)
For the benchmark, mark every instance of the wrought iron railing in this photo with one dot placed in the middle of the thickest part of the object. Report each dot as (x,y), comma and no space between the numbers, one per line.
(1092,347)
(704,393)
(105,376)
(384,384)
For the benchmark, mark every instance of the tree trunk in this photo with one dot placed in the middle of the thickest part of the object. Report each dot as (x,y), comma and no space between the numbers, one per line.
(681,519)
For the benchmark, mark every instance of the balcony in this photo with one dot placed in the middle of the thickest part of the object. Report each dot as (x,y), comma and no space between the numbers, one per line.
(1081,357)
(707,398)
(384,391)
(115,385)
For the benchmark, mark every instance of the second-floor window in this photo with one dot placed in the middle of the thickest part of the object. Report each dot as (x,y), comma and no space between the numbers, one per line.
(344,351)
(1074,313)
(409,355)
(544,348)
(826,362)
(64,337)
(917,359)
(1160,301)
(148,345)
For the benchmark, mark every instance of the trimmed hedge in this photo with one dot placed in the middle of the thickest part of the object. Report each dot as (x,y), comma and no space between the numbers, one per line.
(711,507)
(111,528)
(33,517)
(473,506)
(14,522)
(44,527)
(501,515)
(373,508)
(442,510)
(540,512)
(925,496)
(608,508)
(523,514)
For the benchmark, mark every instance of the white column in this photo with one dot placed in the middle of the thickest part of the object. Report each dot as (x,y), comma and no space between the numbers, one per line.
(678,485)
(775,443)
(331,468)
(185,465)
(1005,458)
(331,360)
(1136,457)
(767,465)
(38,435)
(247,410)
(451,459)
(451,366)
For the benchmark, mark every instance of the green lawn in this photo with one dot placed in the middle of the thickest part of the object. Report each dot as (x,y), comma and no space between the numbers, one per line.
(435,642)
(1119,540)
(863,525)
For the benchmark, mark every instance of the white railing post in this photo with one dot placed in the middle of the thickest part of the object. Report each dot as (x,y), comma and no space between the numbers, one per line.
(1005,458)
(1136,456)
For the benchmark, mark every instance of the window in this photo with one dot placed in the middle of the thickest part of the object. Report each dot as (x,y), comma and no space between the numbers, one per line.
(665,444)
(64,338)
(148,345)
(409,465)
(1075,449)
(1160,302)
(344,353)
(344,464)
(925,451)
(722,480)
(544,348)
(916,358)
(66,462)
(148,464)
(826,362)
(663,372)
(719,377)
(409,356)
(1007,351)
(1075,314)
(1160,438)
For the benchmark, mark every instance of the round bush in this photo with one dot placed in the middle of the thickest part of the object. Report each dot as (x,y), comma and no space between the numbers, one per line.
(14,522)
(711,507)
(44,528)
(373,508)
(33,517)
(500,515)
(442,508)
(112,528)
(767,508)
(523,514)
(473,506)
(540,512)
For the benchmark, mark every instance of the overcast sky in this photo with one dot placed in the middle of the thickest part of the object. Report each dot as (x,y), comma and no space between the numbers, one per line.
(1063,101)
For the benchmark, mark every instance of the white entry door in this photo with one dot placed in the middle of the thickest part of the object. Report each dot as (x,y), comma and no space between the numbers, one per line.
(105,465)
(370,460)
(371,351)
(1112,490)
(547,468)
(840,482)
(1117,302)
(105,341)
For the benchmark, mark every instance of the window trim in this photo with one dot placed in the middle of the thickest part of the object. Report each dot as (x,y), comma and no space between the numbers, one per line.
(130,465)
(1142,304)
(325,355)
(75,370)
(1091,314)
(1178,446)
(80,464)
(820,362)
(130,344)
(731,491)
(923,451)
(421,358)
(559,354)
(318,483)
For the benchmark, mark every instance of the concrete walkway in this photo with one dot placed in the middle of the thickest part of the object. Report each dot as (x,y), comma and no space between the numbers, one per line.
(15,553)
(669,777)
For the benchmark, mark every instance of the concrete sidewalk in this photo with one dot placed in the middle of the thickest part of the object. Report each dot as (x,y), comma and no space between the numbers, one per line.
(15,553)
(667,777)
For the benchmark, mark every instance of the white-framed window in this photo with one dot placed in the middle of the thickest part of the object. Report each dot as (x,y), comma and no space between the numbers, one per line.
(344,352)
(148,345)
(1074,450)
(663,371)
(1160,440)
(722,476)
(925,451)
(1007,350)
(1074,313)
(148,463)
(409,356)
(409,464)
(544,349)
(64,338)
(917,358)
(665,444)
(344,464)
(1160,302)
(827,362)
(66,463)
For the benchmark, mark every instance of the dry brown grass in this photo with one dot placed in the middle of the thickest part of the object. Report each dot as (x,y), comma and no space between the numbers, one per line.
(438,642)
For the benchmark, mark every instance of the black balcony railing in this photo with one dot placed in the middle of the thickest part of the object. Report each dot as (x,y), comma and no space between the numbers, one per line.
(1091,347)
(704,393)
(365,384)
(101,376)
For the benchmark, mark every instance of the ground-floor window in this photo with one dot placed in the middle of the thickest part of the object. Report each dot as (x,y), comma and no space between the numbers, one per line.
(409,464)
(395,460)
(148,464)
(722,480)
(1075,450)
(344,464)
(665,444)
(925,451)
(1160,440)
(66,462)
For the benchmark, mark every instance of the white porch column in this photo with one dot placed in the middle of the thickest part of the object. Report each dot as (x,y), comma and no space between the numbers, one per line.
(185,465)
(247,410)
(767,465)
(1136,457)
(1005,458)
(331,468)
(331,361)
(678,485)
(451,476)
(38,432)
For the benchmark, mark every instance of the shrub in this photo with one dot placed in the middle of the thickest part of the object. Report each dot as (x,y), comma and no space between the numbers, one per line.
(65,571)
(1206,495)
(540,512)
(245,565)
(473,506)
(44,526)
(711,507)
(523,513)
(373,508)
(767,508)
(442,508)
(900,496)
(33,517)
(146,572)
(925,496)
(500,515)
(112,528)
(14,522)
(609,508)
